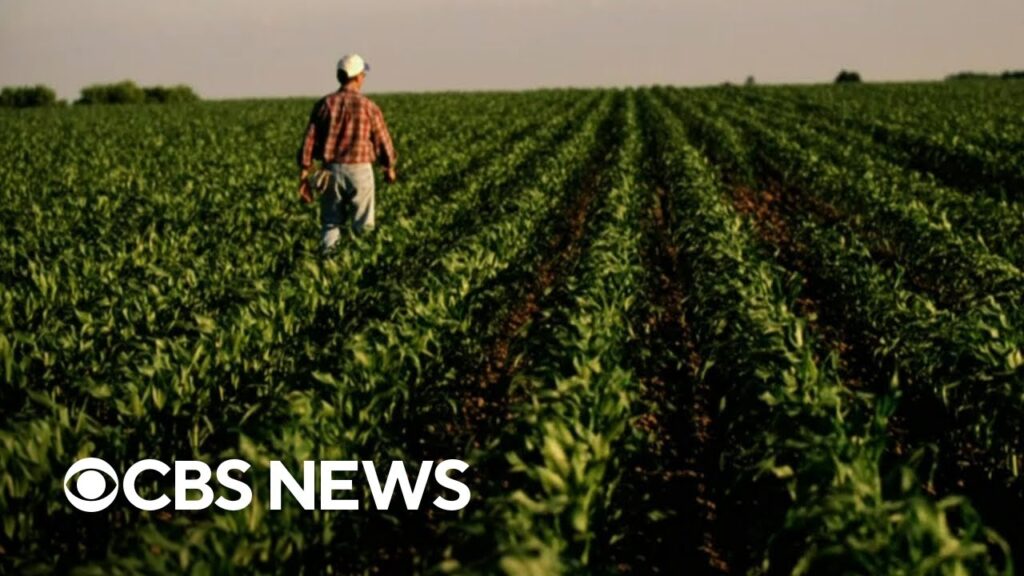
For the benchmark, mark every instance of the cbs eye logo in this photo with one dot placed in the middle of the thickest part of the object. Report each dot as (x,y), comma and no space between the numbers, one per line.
(90,485)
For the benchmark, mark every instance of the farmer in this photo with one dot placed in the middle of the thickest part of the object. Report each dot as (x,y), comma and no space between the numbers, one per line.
(347,134)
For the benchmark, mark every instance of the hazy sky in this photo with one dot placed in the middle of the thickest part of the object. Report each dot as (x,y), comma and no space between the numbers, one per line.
(235,48)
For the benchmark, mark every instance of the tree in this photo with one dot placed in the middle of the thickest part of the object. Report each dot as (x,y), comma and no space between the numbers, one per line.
(27,96)
(848,77)
(125,92)
(170,94)
(971,75)
(962,76)
(750,81)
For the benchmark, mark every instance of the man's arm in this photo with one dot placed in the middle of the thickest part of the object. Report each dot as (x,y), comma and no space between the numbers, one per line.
(307,152)
(383,146)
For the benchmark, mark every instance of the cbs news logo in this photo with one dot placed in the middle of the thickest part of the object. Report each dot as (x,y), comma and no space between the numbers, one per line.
(92,485)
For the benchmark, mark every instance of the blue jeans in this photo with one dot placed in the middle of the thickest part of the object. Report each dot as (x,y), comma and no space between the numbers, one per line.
(350,190)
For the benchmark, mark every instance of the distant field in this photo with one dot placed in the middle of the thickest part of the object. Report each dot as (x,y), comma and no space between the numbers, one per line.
(743,330)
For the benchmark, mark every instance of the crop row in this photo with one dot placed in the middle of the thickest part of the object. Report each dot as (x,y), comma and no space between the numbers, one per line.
(960,267)
(987,167)
(1000,224)
(240,367)
(966,357)
(569,426)
(800,451)
(976,118)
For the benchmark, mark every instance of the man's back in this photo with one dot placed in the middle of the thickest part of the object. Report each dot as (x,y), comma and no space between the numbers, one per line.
(346,127)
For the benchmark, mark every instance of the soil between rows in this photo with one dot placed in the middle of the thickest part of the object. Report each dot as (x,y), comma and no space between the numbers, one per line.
(670,493)
(670,489)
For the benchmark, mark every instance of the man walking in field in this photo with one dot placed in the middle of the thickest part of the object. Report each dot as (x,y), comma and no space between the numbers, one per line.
(347,134)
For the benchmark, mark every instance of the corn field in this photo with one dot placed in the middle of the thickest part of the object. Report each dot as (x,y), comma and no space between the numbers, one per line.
(765,330)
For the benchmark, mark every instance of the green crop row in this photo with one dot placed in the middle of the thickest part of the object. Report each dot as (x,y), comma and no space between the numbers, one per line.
(243,368)
(960,267)
(984,116)
(571,427)
(982,166)
(801,452)
(967,357)
(998,223)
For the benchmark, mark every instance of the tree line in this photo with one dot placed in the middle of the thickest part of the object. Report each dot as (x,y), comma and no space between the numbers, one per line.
(125,92)
(128,92)
(1007,75)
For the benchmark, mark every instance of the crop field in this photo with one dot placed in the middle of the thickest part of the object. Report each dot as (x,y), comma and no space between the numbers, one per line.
(763,330)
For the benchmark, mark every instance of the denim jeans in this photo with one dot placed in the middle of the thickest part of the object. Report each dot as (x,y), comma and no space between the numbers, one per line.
(349,192)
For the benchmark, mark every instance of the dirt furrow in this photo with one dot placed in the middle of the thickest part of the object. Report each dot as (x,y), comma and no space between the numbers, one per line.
(770,210)
(671,489)
(484,396)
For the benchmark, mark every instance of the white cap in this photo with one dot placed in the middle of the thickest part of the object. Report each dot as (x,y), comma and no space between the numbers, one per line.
(353,65)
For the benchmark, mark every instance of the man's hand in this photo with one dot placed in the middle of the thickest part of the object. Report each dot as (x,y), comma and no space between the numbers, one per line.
(390,175)
(305,193)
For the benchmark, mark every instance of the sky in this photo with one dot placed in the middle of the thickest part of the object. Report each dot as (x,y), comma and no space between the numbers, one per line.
(267,48)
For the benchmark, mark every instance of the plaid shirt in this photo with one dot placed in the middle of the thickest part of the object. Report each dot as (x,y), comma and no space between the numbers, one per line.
(345,127)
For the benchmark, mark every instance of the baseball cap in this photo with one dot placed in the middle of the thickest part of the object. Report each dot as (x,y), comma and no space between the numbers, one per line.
(353,65)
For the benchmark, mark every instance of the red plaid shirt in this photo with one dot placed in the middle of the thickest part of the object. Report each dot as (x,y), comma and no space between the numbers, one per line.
(345,127)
